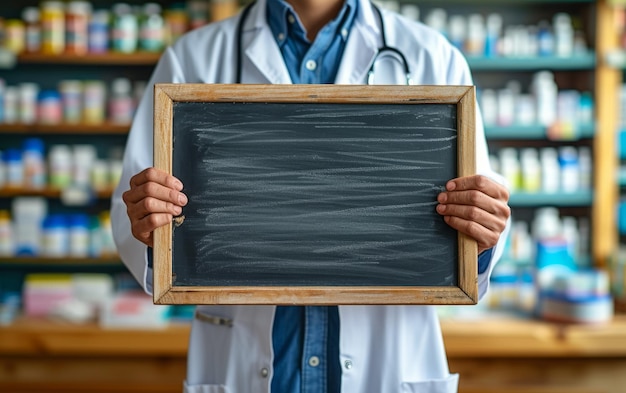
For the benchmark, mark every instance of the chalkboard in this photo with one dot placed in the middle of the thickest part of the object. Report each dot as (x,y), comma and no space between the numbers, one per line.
(313,194)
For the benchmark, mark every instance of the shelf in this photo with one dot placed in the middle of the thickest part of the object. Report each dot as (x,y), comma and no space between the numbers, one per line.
(47,192)
(95,59)
(83,129)
(585,61)
(559,199)
(536,132)
(61,261)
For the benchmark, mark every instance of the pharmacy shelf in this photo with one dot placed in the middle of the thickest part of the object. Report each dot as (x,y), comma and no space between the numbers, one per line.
(586,61)
(559,199)
(537,132)
(47,192)
(67,129)
(63,261)
(95,59)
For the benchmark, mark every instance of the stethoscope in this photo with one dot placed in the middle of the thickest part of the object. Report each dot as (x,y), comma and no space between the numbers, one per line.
(384,50)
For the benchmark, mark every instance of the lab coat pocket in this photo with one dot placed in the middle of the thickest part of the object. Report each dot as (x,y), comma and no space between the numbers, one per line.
(446,385)
(205,388)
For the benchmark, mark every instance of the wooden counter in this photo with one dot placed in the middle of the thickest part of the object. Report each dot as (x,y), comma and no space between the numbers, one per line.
(492,355)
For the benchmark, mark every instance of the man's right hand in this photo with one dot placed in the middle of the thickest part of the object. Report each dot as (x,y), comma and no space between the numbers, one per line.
(153,200)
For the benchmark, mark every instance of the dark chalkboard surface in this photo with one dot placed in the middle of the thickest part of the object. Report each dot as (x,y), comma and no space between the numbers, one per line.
(313,194)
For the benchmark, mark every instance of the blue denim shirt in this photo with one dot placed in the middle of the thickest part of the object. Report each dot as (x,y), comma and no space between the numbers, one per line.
(306,339)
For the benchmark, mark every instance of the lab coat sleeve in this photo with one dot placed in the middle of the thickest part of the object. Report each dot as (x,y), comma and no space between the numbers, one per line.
(138,155)
(483,166)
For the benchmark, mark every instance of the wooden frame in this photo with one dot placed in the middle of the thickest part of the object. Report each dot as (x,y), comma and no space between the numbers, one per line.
(167,96)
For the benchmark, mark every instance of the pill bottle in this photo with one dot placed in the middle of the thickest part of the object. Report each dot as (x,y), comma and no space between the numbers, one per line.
(152,28)
(77,16)
(94,102)
(52,27)
(83,157)
(6,234)
(14,168)
(32,30)
(33,158)
(99,31)
(121,102)
(28,93)
(15,36)
(71,98)
(78,228)
(125,29)
(11,104)
(49,107)
(60,166)
(54,236)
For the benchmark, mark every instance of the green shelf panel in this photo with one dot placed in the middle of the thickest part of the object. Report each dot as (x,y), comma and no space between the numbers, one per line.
(585,61)
(560,199)
(538,132)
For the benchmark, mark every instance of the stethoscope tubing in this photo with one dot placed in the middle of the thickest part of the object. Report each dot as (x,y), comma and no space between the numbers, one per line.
(370,75)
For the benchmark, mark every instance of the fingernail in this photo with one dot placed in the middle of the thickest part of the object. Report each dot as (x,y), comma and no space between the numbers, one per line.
(182,199)
(442,197)
(178,210)
(178,185)
(450,186)
(441,208)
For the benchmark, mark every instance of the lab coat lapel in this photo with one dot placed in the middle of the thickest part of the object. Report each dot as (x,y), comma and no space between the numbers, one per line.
(264,54)
(361,48)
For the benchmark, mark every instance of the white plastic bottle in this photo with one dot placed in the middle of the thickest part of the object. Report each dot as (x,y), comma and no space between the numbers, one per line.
(545,90)
(550,170)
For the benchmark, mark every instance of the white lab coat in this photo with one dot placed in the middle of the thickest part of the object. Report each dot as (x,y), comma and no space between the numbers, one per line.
(382,348)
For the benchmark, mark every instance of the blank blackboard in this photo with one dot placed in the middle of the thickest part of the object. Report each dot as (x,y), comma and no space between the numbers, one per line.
(313,194)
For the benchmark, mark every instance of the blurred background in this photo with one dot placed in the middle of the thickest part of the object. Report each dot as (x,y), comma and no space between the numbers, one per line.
(549,85)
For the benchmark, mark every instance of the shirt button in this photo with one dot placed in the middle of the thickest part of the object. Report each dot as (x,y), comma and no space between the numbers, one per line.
(311,65)
(281,36)
(291,19)
(344,33)
(264,372)
(347,364)
(314,361)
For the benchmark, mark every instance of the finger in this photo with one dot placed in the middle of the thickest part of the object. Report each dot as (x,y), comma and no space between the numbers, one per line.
(485,238)
(156,191)
(477,199)
(481,183)
(149,206)
(153,175)
(143,229)
(475,214)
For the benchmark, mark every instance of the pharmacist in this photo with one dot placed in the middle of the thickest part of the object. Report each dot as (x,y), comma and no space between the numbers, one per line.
(352,349)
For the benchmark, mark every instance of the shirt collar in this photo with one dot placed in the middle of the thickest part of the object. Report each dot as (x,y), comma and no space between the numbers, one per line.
(279,14)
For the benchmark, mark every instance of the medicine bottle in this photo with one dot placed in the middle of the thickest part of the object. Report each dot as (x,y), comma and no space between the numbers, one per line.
(121,103)
(49,110)
(71,99)
(52,27)
(94,102)
(152,28)
(32,30)
(125,31)
(98,31)
(11,105)
(14,168)
(28,102)
(33,157)
(6,234)
(77,27)
(54,236)
(15,36)
(78,228)
(60,166)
